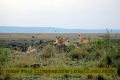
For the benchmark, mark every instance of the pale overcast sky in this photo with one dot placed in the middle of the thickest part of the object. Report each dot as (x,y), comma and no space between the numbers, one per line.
(78,14)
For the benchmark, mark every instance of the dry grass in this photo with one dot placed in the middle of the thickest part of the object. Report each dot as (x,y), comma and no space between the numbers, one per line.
(95,56)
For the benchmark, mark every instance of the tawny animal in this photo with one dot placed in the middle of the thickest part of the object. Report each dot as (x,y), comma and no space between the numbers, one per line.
(67,43)
(83,40)
(16,52)
(56,40)
(60,41)
(31,50)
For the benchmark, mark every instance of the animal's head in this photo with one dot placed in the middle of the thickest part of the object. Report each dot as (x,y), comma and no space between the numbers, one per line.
(80,36)
(29,48)
(67,43)
(57,37)
(67,40)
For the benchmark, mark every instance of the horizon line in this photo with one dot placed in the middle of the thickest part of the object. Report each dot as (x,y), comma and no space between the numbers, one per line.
(57,27)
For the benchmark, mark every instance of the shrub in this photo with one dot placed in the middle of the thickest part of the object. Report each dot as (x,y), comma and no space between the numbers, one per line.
(48,51)
(41,41)
(76,53)
(70,47)
(4,54)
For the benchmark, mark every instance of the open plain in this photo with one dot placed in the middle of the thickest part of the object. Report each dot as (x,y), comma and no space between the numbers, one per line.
(103,52)
(34,38)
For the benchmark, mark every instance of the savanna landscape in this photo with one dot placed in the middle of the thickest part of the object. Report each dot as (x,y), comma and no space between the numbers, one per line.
(103,51)
(59,39)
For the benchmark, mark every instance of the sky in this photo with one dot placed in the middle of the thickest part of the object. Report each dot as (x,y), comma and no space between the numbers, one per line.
(71,14)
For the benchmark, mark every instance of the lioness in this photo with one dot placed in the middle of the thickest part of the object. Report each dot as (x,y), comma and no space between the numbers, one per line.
(83,40)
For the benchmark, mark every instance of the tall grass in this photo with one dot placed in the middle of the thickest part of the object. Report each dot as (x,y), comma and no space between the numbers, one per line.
(100,53)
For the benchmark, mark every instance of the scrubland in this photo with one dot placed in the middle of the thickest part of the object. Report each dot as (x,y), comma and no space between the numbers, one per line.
(101,53)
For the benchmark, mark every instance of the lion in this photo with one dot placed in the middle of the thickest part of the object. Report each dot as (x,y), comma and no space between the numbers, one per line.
(60,41)
(31,50)
(83,40)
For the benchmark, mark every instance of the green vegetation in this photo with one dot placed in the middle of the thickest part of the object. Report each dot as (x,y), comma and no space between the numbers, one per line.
(101,53)
(4,55)
(41,41)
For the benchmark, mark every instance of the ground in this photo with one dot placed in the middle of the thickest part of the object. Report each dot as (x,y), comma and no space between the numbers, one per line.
(100,54)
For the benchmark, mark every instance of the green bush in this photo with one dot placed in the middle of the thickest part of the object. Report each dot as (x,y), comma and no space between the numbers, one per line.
(70,47)
(48,51)
(4,55)
(41,41)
